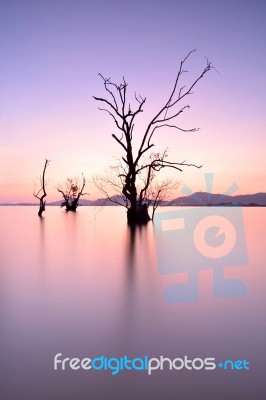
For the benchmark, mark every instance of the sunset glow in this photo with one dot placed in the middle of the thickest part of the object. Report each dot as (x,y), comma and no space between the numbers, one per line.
(52,53)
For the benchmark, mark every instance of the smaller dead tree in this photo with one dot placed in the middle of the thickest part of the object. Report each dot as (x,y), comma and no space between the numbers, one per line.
(41,193)
(71,192)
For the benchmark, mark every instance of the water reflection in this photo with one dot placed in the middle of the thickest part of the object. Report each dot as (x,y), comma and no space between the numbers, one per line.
(139,252)
(134,235)
(90,287)
(42,242)
(141,307)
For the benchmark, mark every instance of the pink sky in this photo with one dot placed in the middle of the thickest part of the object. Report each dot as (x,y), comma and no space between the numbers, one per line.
(52,53)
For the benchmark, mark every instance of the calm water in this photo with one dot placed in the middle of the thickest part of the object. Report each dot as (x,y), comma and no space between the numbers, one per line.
(85,285)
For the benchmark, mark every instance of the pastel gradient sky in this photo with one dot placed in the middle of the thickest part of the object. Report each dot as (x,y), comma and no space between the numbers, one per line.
(52,50)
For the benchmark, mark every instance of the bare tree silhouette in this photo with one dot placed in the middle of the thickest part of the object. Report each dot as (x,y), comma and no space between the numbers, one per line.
(151,191)
(41,193)
(71,192)
(134,164)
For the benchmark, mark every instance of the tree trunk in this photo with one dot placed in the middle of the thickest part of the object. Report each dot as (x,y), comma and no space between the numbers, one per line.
(138,215)
(42,208)
(72,206)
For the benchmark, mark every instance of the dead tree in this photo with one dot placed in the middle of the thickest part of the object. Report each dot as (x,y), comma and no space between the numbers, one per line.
(155,192)
(152,192)
(71,192)
(41,193)
(132,162)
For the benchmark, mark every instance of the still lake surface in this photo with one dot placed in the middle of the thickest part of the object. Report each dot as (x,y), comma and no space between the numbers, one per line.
(85,285)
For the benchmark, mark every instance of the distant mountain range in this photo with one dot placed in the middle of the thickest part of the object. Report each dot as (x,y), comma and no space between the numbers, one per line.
(204,199)
(196,199)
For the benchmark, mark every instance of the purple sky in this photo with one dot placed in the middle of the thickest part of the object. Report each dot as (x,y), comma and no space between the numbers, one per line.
(52,51)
